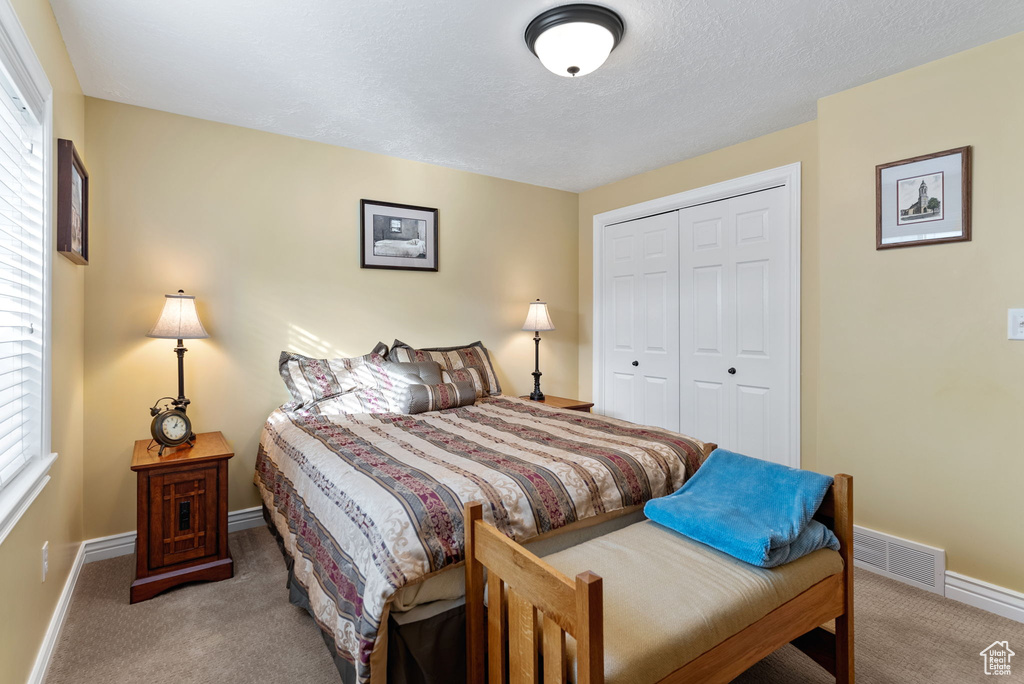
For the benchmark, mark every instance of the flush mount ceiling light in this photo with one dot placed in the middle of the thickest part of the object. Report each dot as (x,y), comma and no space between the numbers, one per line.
(573,40)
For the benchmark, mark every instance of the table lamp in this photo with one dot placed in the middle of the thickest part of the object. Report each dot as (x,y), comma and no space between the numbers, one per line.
(537,319)
(179,321)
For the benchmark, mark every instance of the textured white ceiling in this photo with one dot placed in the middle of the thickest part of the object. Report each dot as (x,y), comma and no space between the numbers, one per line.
(451,82)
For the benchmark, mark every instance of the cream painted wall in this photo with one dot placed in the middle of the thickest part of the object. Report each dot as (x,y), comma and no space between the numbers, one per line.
(264,230)
(26,603)
(921,395)
(796,144)
(908,381)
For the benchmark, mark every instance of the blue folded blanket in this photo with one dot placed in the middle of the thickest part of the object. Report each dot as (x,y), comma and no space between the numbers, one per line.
(756,511)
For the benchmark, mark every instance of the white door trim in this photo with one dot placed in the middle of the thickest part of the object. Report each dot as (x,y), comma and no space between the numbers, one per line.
(788,176)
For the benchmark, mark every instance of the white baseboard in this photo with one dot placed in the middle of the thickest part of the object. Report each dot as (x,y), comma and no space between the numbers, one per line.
(113,546)
(123,544)
(245,518)
(990,597)
(60,612)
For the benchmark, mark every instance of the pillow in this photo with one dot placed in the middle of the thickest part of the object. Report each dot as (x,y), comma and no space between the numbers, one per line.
(416,372)
(470,375)
(411,397)
(310,380)
(377,394)
(395,378)
(472,359)
(366,400)
(440,396)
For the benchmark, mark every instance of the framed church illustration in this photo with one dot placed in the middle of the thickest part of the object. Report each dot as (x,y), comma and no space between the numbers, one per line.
(923,200)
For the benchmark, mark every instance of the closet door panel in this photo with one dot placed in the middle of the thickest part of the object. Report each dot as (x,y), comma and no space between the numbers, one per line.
(735,304)
(641,307)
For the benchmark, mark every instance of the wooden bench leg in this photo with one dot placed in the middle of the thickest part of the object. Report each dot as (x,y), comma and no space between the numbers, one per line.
(843,488)
(844,649)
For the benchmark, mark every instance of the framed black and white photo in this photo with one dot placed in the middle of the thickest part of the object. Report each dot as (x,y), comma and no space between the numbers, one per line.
(397,236)
(924,200)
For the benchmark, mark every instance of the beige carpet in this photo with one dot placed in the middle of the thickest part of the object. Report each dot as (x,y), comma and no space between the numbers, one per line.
(244,630)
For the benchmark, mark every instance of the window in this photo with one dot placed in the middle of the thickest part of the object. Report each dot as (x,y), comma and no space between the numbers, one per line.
(21,287)
(24,272)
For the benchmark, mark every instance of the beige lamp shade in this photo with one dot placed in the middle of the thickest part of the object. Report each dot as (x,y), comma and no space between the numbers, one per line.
(179,320)
(537,318)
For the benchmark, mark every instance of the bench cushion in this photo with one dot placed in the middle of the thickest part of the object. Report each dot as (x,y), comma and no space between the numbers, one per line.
(668,599)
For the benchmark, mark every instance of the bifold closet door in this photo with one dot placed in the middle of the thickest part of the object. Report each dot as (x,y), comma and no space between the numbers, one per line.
(735,320)
(640,302)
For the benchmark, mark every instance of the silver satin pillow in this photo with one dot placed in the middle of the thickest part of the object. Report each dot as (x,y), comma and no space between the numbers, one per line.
(416,386)
(400,378)
(415,373)
(440,396)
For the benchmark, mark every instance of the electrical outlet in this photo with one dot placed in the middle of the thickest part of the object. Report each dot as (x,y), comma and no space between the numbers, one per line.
(1015,324)
(46,558)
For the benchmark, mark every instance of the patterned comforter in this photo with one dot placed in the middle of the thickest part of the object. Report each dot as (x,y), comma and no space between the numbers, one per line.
(368,504)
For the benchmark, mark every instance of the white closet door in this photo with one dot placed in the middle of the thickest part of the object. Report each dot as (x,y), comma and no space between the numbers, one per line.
(735,309)
(641,320)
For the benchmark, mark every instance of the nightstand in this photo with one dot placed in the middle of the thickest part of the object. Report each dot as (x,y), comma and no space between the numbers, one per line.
(182,515)
(562,402)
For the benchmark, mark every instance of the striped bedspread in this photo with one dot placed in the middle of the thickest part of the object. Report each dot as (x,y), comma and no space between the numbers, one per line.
(368,504)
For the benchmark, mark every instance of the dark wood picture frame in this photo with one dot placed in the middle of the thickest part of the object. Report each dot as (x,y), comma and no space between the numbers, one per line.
(431,235)
(965,198)
(68,163)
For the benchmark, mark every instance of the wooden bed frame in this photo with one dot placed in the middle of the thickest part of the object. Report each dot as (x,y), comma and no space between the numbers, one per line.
(506,633)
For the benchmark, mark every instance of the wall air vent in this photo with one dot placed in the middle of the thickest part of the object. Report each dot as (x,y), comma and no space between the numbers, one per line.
(900,559)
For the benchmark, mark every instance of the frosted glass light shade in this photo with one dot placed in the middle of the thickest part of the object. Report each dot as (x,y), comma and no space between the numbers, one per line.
(574,40)
(574,49)
(179,319)
(537,317)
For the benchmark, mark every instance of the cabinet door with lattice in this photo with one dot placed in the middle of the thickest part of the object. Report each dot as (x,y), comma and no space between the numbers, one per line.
(183,516)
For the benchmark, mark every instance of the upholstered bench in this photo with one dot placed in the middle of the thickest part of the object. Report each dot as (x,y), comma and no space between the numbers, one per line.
(650,605)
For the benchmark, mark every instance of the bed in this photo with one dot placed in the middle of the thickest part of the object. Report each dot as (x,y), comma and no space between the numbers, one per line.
(368,507)
(400,248)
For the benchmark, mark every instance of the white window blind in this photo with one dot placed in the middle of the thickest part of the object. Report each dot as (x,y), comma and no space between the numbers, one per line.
(22,284)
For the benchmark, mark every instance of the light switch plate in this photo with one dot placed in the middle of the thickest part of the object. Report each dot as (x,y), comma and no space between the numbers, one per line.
(1015,324)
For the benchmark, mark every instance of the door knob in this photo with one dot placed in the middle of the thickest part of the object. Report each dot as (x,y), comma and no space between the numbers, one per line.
(732,371)
(636,363)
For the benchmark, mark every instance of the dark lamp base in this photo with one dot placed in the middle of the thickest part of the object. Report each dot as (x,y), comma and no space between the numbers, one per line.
(537,395)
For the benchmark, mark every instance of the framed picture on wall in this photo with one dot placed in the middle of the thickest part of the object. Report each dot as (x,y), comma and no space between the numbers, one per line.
(924,200)
(401,237)
(72,204)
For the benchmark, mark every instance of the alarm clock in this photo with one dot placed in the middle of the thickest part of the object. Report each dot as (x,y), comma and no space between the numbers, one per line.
(171,426)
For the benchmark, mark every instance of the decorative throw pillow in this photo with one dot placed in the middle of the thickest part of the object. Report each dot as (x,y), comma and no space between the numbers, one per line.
(394,380)
(310,380)
(417,372)
(443,395)
(407,394)
(471,358)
